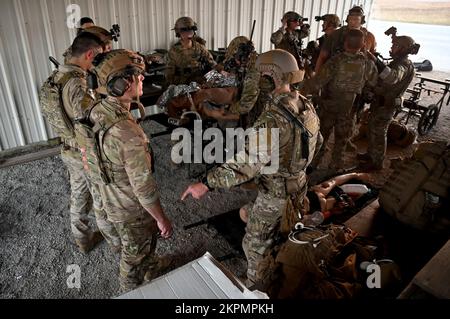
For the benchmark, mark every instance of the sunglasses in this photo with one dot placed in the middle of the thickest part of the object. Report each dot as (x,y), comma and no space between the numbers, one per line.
(188,29)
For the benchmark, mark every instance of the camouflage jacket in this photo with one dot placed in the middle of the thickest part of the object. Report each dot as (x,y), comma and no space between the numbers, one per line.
(288,153)
(249,89)
(395,78)
(345,73)
(290,41)
(126,154)
(334,44)
(76,99)
(67,55)
(187,61)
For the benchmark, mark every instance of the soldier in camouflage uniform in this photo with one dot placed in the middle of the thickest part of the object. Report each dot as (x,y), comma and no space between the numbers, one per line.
(76,103)
(334,44)
(393,81)
(330,23)
(189,60)
(131,199)
(289,38)
(341,79)
(298,126)
(103,34)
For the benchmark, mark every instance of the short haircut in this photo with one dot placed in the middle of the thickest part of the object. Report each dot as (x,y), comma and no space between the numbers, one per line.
(354,39)
(84,42)
(86,20)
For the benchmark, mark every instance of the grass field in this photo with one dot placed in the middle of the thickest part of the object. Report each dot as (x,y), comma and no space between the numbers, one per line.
(428,12)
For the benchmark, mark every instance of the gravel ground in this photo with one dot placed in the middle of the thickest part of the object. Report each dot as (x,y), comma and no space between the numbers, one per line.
(36,246)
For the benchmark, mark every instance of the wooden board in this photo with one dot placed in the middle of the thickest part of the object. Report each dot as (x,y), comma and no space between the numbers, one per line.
(26,158)
(434,278)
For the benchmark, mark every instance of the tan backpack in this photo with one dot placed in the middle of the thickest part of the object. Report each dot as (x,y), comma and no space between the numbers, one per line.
(417,193)
(50,98)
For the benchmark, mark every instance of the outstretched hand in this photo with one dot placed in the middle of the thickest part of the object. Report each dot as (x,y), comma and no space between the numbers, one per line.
(196,190)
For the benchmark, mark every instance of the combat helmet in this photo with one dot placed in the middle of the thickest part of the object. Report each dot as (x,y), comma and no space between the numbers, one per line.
(357,11)
(184,24)
(407,43)
(115,69)
(292,15)
(234,46)
(332,19)
(281,66)
(103,34)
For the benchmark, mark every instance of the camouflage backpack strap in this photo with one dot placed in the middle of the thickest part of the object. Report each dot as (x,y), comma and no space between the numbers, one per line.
(99,168)
(101,128)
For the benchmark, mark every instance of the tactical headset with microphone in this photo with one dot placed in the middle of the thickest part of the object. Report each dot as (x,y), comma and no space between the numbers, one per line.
(357,11)
(116,83)
(114,72)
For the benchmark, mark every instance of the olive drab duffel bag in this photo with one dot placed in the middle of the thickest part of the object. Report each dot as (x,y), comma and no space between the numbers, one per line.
(417,193)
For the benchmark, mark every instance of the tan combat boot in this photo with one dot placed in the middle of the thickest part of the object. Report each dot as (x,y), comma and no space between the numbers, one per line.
(87,246)
(159,269)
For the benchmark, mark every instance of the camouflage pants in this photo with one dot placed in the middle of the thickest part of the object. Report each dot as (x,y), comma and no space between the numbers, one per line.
(379,119)
(262,232)
(139,237)
(342,122)
(83,199)
(106,227)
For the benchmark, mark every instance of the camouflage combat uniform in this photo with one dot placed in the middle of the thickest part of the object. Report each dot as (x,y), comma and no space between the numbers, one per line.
(334,43)
(393,82)
(185,65)
(275,190)
(84,195)
(341,78)
(125,151)
(290,41)
(249,95)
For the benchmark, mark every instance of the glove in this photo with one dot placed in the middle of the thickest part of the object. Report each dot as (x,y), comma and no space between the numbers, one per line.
(380,66)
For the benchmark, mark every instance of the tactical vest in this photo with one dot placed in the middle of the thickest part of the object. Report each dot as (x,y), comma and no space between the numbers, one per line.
(417,193)
(350,73)
(304,138)
(338,46)
(51,101)
(90,139)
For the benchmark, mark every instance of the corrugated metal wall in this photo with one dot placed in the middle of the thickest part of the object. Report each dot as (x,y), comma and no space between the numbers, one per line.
(31,30)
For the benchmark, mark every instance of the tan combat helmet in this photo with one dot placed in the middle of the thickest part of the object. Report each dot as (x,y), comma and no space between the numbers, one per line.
(291,15)
(234,45)
(184,24)
(332,19)
(357,11)
(408,44)
(281,66)
(115,68)
(103,34)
